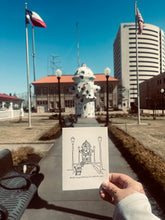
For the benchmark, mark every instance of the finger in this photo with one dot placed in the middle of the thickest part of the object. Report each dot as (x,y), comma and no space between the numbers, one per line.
(121,180)
(110,188)
(105,196)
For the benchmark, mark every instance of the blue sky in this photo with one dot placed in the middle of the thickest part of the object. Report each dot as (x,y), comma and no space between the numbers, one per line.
(98,20)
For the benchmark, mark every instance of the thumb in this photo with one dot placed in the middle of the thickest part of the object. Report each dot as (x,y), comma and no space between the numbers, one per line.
(110,188)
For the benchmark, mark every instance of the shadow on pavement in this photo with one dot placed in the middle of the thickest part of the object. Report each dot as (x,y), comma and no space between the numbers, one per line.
(39,203)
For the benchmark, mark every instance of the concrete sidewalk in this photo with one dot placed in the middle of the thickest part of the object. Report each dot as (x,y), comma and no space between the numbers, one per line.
(53,203)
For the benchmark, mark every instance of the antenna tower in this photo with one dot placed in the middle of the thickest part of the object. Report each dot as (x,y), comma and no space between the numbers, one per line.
(54,63)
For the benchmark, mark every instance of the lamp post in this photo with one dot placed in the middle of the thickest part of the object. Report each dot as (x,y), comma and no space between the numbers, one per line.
(107,72)
(162,92)
(58,74)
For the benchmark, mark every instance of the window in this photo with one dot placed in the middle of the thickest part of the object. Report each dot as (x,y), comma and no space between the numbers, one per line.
(69,90)
(110,89)
(57,104)
(42,102)
(39,102)
(51,90)
(51,104)
(66,90)
(38,92)
(102,89)
(45,91)
(69,103)
(45,102)
(102,99)
(56,90)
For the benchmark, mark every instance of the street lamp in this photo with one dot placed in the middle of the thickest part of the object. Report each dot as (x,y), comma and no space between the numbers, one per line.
(162,92)
(107,72)
(58,74)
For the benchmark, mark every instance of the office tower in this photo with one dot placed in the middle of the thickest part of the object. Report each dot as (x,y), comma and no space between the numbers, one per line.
(150,57)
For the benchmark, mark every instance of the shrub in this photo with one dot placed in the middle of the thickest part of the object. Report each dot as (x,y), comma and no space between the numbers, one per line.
(149,167)
(21,155)
(52,133)
(101,119)
(54,117)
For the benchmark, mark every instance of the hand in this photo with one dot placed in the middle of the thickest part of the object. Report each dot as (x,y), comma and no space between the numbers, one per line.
(118,187)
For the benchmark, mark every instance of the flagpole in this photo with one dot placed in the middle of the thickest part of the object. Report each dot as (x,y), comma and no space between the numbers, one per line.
(137,72)
(33,54)
(27,62)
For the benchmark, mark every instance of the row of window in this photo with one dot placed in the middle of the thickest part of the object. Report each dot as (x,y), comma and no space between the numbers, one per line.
(144,66)
(150,71)
(144,48)
(44,102)
(146,29)
(152,35)
(143,61)
(53,90)
(68,103)
(143,52)
(67,90)
(140,38)
(147,57)
(135,80)
(144,43)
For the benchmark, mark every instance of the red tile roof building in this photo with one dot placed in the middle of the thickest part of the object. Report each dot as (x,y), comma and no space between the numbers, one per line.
(4,97)
(46,93)
(10,106)
(68,79)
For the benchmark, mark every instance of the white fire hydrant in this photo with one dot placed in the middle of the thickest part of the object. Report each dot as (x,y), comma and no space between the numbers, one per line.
(85,91)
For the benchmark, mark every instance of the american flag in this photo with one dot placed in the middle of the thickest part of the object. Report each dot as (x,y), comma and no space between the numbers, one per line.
(140,22)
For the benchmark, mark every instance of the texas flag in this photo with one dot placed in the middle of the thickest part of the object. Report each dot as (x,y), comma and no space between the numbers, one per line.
(34,19)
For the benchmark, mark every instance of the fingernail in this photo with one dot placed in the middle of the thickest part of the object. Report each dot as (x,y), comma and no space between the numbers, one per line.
(105,184)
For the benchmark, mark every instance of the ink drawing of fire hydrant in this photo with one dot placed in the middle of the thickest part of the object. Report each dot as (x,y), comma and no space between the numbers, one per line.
(86,155)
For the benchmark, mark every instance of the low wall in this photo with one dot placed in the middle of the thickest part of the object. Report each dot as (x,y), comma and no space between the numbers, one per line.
(11,114)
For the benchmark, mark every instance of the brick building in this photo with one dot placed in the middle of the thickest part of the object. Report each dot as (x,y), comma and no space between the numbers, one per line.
(152,93)
(46,93)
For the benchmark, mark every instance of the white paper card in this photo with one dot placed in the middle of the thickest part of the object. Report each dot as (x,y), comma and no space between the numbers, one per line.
(85,157)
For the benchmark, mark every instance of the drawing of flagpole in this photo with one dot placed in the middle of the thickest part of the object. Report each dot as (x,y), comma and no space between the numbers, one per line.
(27,63)
(100,152)
(138,21)
(72,141)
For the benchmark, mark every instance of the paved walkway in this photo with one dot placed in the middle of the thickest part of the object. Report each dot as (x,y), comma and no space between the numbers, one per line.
(53,203)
